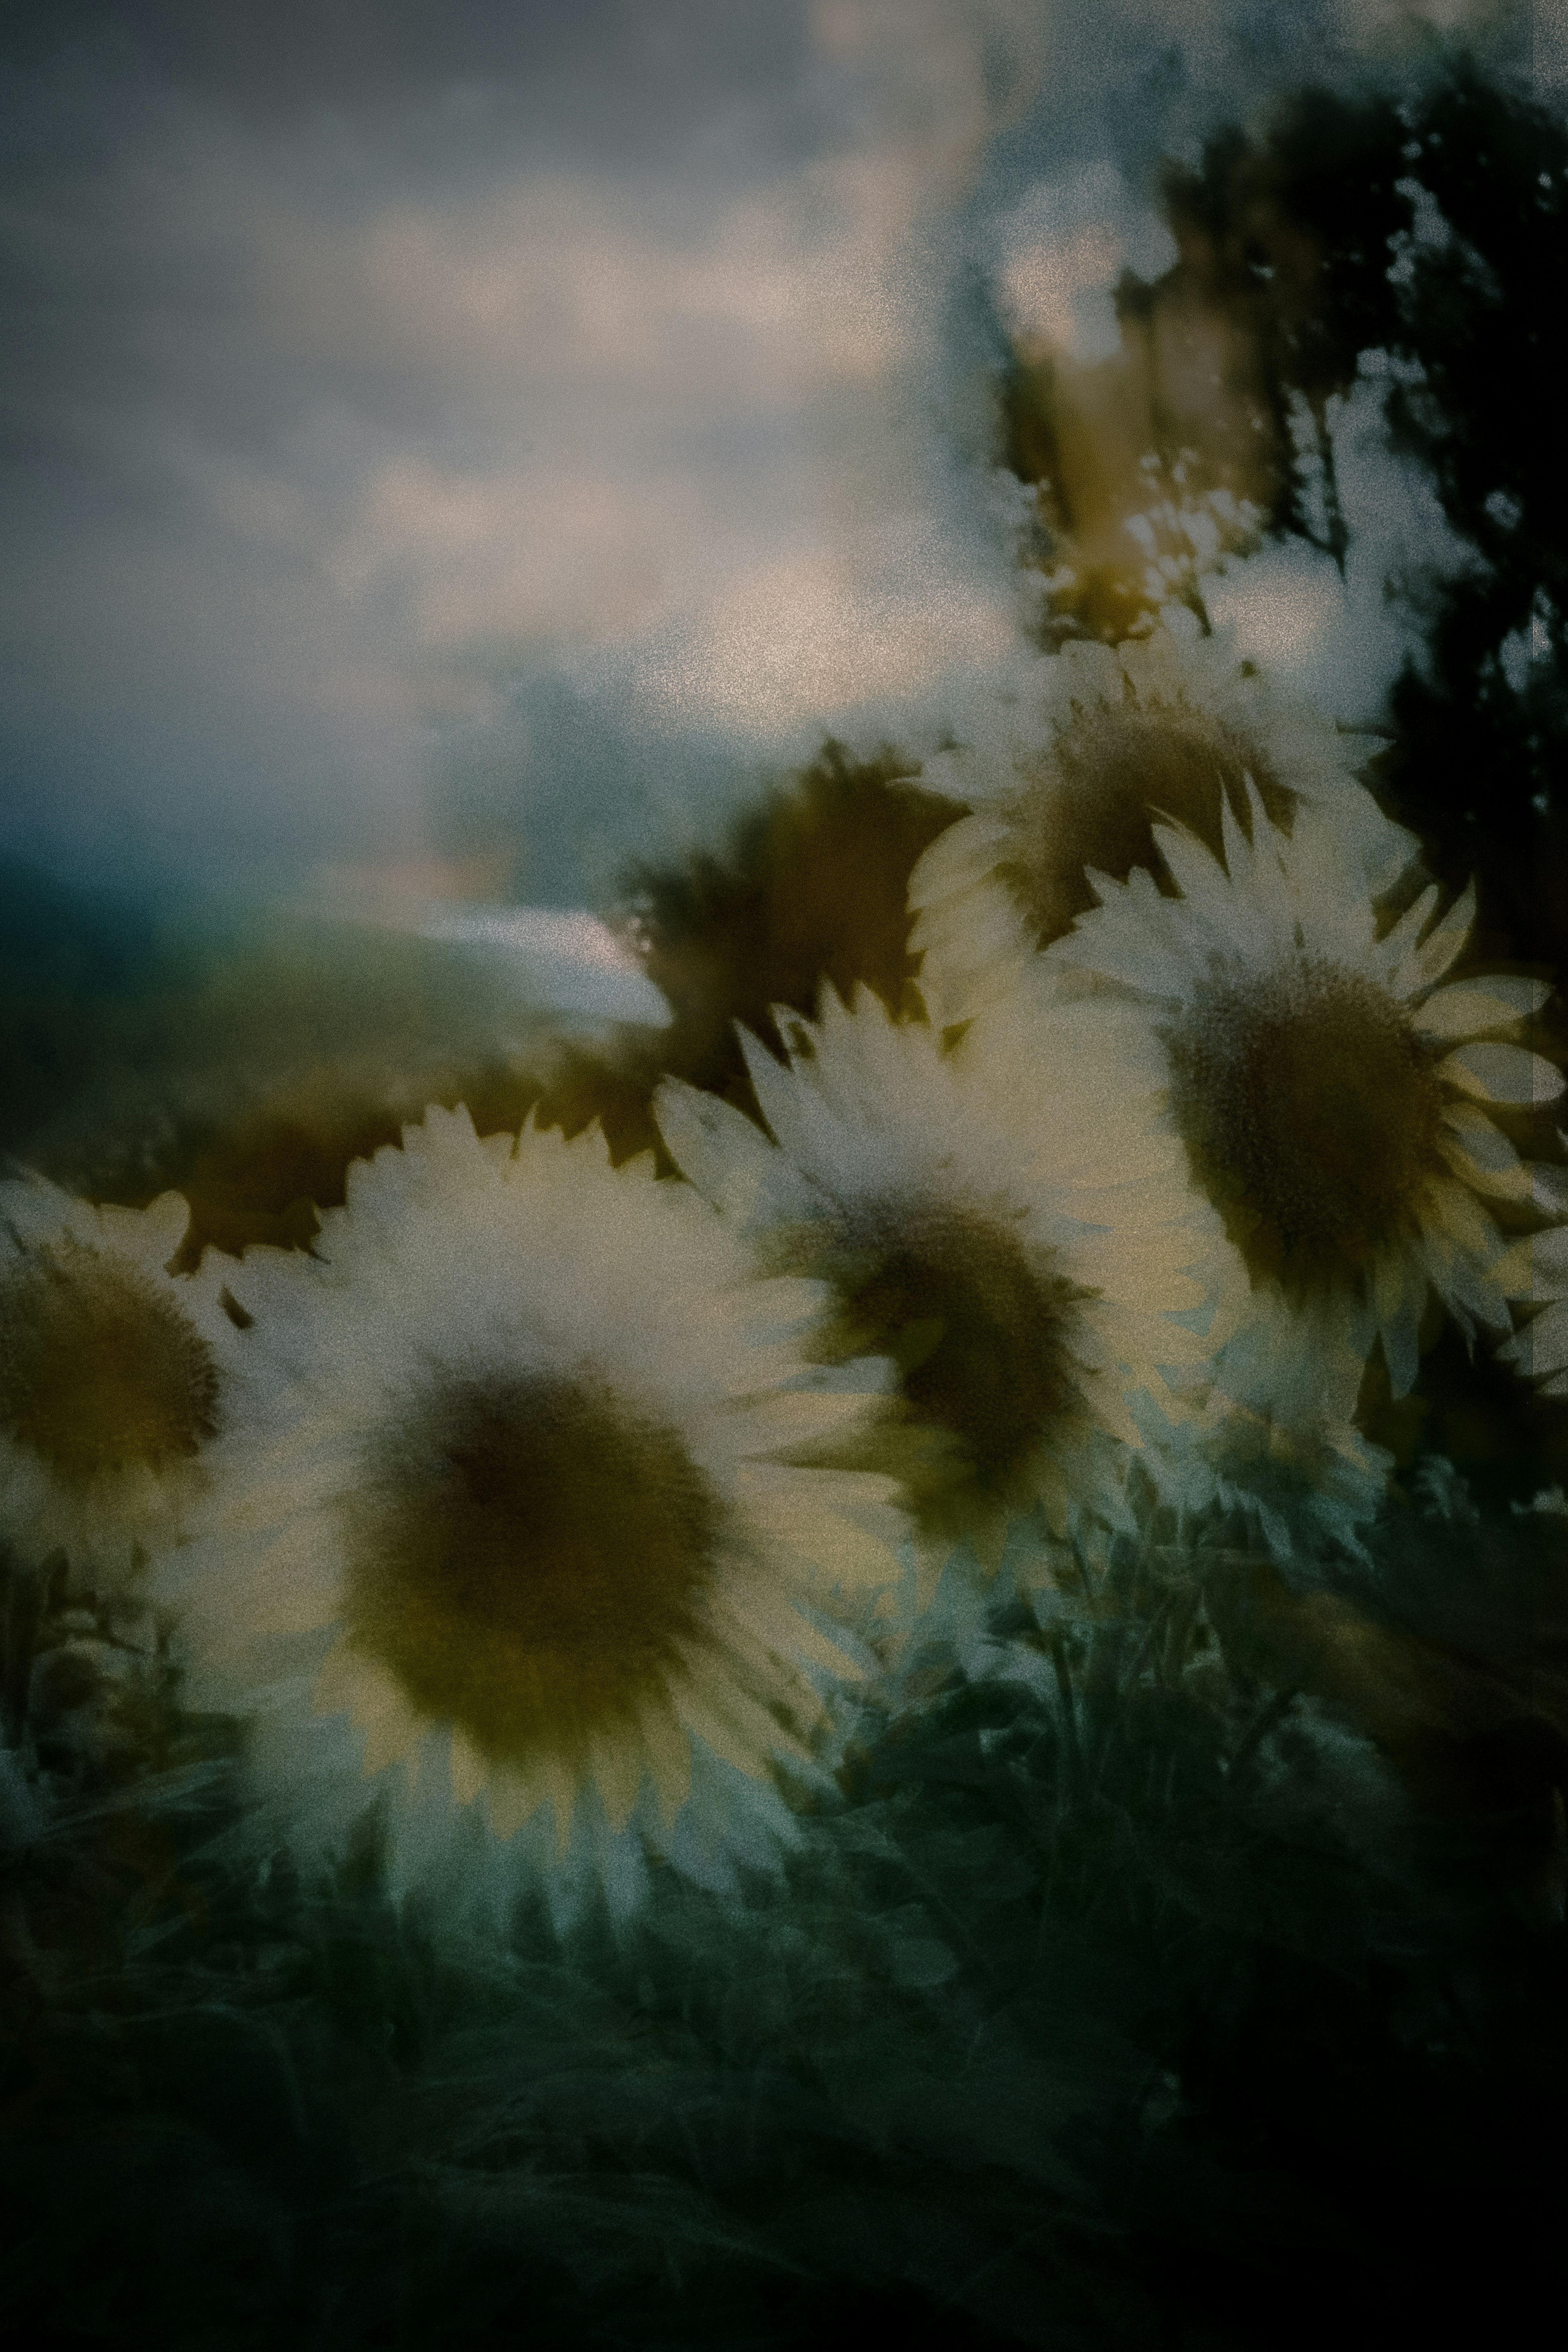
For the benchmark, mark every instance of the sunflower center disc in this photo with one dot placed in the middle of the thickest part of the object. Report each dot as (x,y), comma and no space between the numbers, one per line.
(975,1329)
(1112,767)
(1311,1113)
(533,1563)
(98,1369)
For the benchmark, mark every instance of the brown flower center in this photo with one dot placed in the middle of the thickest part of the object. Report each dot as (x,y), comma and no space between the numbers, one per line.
(1114,769)
(978,1332)
(99,1367)
(1310,1114)
(532,1563)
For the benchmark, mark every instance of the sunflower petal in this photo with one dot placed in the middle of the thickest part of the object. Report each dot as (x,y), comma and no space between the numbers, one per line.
(1431,960)
(1537,1266)
(1401,940)
(714,1146)
(1502,1074)
(1472,1008)
(1485,1158)
(1540,1349)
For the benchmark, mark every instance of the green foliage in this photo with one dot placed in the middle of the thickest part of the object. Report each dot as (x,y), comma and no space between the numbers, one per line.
(1122,1990)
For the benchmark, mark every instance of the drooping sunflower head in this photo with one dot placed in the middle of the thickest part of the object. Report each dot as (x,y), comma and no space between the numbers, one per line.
(1016,1275)
(1117,763)
(1339,1109)
(1300,1473)
(1117,742)
(979,1320)
(1312,1112)
(112,1373)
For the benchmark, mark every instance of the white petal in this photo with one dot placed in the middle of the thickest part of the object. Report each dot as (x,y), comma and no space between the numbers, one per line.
(1502,1074)
(1541,1348)
(776,1097)
(1431,960)
(716,1147)
(1470,1008)
(1473,1146)
(1537,1268)
(1455,1211)
(1401,940)
(1193,867)
(163,1225)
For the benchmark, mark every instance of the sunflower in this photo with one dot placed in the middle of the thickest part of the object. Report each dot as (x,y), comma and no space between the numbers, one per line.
(1535,1277)
(1297,1474)
(1332,1094)
(518,1531)
(115,1378)
(1107,741)
(990,1219)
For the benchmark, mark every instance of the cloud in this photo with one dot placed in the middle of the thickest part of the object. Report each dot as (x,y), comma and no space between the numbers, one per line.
(1057,254)
(486,429)
(317,446)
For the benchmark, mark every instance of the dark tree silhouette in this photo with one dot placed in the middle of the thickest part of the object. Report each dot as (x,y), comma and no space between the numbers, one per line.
(1427,229)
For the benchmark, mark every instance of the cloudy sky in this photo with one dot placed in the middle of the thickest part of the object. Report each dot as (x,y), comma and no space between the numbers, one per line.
(470,443)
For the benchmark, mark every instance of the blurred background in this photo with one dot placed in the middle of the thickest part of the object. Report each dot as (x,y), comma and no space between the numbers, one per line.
(463,460)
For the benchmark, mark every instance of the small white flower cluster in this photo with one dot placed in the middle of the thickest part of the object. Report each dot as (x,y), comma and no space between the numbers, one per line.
(547,1503)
